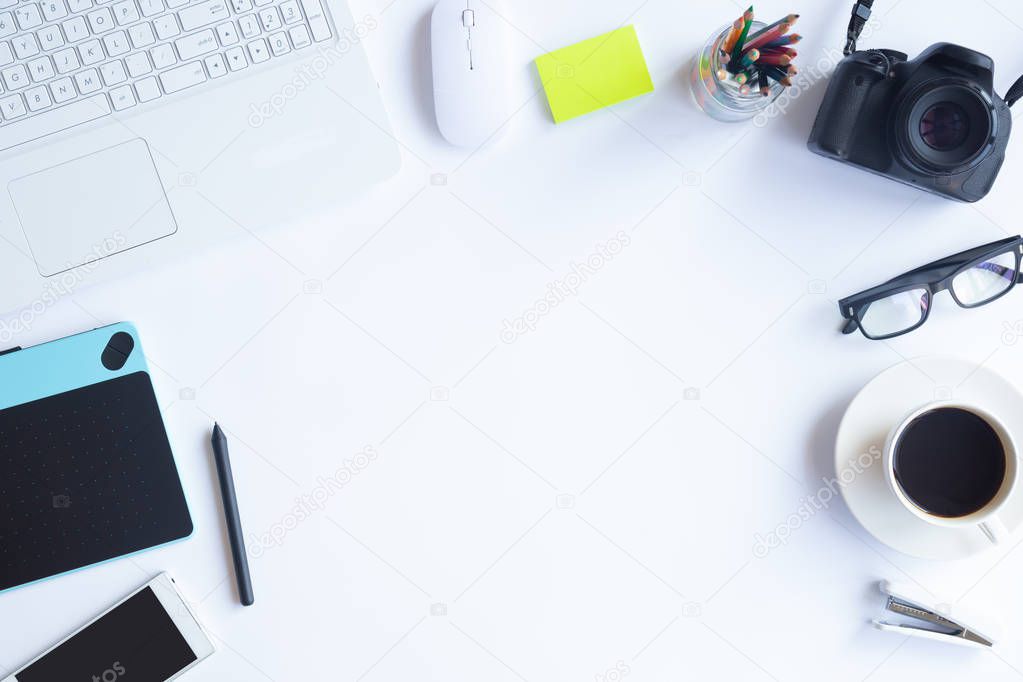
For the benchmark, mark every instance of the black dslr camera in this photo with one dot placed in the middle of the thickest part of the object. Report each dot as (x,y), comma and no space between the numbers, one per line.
(933,122)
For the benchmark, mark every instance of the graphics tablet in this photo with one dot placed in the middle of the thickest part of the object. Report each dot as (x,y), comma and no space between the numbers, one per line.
(86,469)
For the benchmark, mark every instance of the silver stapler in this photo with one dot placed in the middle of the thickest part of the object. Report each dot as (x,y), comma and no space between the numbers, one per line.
(907,612)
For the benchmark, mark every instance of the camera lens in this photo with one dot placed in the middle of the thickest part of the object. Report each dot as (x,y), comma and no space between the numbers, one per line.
(944,126)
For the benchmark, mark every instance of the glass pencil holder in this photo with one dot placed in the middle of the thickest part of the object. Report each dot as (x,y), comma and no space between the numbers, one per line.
(725,99)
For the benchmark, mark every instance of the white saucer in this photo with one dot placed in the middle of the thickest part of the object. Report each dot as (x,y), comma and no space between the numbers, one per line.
(872,414)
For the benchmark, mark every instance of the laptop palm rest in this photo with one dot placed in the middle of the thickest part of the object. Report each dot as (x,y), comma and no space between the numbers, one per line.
(92,207)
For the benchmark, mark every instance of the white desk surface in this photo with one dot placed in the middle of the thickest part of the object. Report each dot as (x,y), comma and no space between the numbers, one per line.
(558,506)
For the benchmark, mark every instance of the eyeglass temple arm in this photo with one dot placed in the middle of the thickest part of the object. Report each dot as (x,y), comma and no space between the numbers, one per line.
(1001,271)
(956,258)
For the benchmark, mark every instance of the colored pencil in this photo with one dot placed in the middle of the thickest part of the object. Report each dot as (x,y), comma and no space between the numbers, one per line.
(744,77)
(791,19)
(740,43)
(775,59)
(779,75)
(767,36)
(750,57)
(733,36)
(778,50)
(790,39)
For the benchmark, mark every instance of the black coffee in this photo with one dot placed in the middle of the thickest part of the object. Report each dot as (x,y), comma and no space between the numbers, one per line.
(949,462)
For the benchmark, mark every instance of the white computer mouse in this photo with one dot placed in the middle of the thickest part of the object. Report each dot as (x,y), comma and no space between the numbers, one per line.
(471,74)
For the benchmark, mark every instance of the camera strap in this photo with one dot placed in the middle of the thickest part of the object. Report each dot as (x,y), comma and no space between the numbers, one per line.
(860,17)
(1015,93)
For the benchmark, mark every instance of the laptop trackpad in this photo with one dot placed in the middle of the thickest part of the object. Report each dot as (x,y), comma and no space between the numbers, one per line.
(92,207)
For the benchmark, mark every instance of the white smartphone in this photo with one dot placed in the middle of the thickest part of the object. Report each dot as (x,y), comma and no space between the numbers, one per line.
(149,636)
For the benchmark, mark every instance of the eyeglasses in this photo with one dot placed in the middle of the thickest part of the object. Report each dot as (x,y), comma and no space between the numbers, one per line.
(974,277)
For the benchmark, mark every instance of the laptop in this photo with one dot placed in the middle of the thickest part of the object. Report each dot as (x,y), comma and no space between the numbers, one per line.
(132,131)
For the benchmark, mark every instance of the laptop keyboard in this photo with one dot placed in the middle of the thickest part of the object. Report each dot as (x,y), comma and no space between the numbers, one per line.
(67,62)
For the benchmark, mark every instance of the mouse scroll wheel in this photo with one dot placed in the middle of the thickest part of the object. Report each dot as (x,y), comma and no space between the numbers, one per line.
(468,18)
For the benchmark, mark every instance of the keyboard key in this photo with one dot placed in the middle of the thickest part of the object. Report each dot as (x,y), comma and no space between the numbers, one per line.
(6,54)
(163,56)
(79,5)
(236,60)
(196,44)
(54,9)
(91,52)
(50,121)
(138,64)
(299,37)
(215,65)
(38,98)
(50,38)
(123,98)
(66,60)
(166,27)
(174,4)
(7,26)
(12,107)
(116,43)
(40,69)
(142,34)
(227,33)
(63,90)
(317,21)
(279,44)
(15,77)
(125,12)
(28,16)
(87,81)
(241,6)
(25,46)
(101,20)
(113,72)
(204,13)
(75,29)
(150,8)
(258,51)
(147,89)
(4,4)
(249,25)
(270,19)
(182,77)
(291,12)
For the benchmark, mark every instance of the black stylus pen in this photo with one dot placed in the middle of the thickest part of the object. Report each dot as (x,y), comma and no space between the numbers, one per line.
(234,521)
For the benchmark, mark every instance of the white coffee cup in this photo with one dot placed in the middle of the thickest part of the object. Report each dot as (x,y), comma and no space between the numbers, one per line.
(985,518)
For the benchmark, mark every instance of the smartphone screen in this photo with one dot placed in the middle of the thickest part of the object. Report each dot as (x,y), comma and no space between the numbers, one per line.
(137,640)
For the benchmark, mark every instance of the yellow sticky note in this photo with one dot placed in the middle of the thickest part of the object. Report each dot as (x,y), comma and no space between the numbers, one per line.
(594,74)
